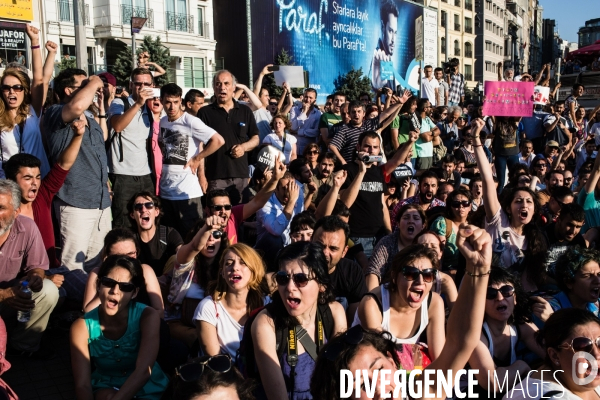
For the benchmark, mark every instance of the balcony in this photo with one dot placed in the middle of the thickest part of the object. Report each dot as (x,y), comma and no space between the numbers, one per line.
(469,53)
(457,3)
(468,5)
(457,27)
(468,77)
(180,22)
(468,29)
(65,11)
(457,52)
(203,30)
(127,12)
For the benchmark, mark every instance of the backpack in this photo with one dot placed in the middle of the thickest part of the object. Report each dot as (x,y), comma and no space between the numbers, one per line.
(117,135)
(245,357)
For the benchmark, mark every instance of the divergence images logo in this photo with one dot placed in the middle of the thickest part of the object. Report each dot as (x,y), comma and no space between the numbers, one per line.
(579,368)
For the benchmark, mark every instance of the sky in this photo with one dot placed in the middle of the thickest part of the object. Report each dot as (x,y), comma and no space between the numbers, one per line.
(570,18)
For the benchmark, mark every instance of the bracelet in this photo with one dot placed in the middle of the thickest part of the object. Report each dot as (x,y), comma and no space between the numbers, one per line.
(101,116)
(478,275)
(477,145)
(35,47)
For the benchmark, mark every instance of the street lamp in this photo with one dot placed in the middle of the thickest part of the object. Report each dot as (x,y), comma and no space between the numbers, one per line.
(137,23)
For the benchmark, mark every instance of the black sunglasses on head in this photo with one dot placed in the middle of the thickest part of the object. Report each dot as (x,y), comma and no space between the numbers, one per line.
(192,371)
(140,206)
(300,279)
(506,290)
(111,283)
(412,274)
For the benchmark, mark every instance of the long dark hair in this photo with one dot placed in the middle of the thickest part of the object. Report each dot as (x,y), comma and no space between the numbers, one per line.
(205,271)
(460,191)
(309,254)
(132,265)
(404,258)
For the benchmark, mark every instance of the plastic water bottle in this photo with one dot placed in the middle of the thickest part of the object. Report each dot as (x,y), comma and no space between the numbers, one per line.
(23,316)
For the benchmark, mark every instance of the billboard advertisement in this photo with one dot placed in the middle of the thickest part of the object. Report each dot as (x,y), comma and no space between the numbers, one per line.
(329,37)
(21,10)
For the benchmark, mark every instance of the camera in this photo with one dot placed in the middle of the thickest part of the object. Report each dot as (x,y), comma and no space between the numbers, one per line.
(119,90)
(450,66)
(217,234)
(372,159)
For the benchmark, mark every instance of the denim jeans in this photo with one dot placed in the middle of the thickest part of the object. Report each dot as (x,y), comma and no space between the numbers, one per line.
(452,103)
(501,163)
(368,244)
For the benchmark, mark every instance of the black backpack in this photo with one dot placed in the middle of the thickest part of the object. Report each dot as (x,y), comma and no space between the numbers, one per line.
(245,357)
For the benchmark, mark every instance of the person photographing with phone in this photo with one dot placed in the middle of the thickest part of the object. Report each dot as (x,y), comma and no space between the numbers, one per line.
(305,120)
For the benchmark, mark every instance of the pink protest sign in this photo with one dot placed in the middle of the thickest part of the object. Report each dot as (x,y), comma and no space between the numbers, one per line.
(508,99)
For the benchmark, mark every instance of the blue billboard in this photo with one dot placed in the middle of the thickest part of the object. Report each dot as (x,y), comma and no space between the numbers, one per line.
(329,37)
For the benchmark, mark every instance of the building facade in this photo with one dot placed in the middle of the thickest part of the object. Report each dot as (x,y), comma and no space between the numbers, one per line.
(589,33)
(489,42)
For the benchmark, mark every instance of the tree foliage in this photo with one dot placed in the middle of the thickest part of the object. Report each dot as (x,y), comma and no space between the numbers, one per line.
(159,54)
(352,84)
(70,62)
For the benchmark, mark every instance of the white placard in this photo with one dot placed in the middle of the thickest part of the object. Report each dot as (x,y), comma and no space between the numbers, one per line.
(293,75)
(541,95)
(430,37)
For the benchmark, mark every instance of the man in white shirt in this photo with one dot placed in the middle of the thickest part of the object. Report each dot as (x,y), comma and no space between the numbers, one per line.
(526,155)
(430,87)
(179,140)
(305,120)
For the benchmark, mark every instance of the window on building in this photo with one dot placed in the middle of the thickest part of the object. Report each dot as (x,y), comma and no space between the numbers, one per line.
(468,72)
(468,49)
(443,45)
(456,48)
(194,75)
(443,18)
(488,46)
(468,25)
(177,16)
(202,26)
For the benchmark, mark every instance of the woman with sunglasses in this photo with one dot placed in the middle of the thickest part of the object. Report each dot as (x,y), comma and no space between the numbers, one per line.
(518,242)
(311,154)
(538,168)
(506,322)
(458,207)
(119,339)
(196,265)
(578,277)
(211,378)
(21,105)
(411,220)
(563,374)
(405,304)
(121,241)
(373,350)
(237,291)
(281,139)
(303,302)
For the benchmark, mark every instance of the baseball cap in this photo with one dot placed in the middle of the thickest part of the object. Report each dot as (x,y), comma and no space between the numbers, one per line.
(552,143)
(108,78)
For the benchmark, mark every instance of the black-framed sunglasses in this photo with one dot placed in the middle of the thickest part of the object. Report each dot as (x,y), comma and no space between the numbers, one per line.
(15,88)
(138,84)
(300,279)
(225,207)
(412,274)
(192,370)
(140,206)
(463,204)
(506,290)
(541,165)
(352,336)
(111,283)
(581,343)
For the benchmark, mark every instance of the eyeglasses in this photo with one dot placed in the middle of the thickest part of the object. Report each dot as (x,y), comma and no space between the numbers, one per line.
(506,290)
(140,206)
(145,84)
(457,204)
(581,344)
(111,283)
(15,88)
(225,207)
(313,152)
(541,165)
(352,336)
(412,274)
(300,279)
(192,371)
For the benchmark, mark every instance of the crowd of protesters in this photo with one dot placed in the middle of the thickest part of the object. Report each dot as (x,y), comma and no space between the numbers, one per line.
(388,231)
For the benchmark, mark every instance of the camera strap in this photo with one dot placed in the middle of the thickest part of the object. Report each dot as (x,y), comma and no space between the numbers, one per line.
(312,348)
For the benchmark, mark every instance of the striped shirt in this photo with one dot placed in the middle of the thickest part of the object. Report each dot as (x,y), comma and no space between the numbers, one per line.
(457,88)
(86,184)
(346,139)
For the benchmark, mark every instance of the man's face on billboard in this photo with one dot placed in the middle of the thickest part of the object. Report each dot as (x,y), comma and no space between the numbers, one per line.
(390,29)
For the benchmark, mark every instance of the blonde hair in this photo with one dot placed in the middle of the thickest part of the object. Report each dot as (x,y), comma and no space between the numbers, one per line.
(218,289)
(6,121)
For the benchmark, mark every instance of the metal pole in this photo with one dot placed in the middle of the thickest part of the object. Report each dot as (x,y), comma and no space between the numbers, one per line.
(132,50)
(447,38)
(80,37)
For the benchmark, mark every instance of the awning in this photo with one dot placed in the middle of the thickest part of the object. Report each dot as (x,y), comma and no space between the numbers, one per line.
(184,48)
(70,41)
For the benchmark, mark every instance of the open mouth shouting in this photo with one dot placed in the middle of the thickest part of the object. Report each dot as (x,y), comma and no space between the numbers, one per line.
(415,295)
(595,293)
(523,214)
(410,229)
(293,302)
(235,278)
(112,304)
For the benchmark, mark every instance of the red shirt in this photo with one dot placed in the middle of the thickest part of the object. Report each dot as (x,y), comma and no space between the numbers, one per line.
(42,214)
(237,216)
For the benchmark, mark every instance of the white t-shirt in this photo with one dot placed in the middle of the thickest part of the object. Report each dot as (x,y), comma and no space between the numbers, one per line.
(428,89)
(179,141)
(229,331)
(535,389)
(274,140)
(505,241)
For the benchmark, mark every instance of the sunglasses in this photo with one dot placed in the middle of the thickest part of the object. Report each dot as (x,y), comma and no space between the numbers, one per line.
(191,372)
(527,181)
(300,279)
(581,344)
(412,274)
(457,204)
(111,283)
(541,166)
(225,207)
(352,336)
(138,84)
(313,152)
(16,88)
(140,206)
(506,290)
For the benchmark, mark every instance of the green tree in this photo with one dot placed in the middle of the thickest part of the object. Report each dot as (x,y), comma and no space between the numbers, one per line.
(352,84)
(159,54)
(283,58)
(65,63)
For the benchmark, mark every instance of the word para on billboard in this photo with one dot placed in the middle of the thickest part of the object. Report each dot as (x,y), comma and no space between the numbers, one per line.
(297,19)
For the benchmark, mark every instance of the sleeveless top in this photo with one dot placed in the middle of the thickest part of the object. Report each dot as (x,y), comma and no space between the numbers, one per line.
(514,338)
(114,360)
(385,324)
